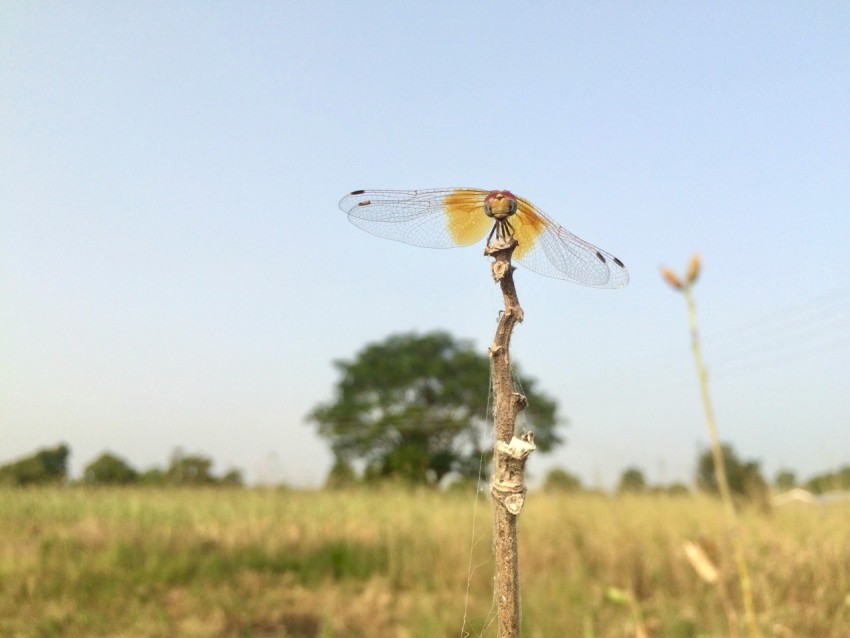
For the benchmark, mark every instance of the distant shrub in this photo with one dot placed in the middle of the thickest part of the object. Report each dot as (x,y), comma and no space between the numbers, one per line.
(561,480)
(45,467)
(109,469)
(830,481)
(632,481)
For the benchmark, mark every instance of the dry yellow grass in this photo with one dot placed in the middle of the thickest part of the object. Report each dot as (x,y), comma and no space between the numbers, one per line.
(393,562)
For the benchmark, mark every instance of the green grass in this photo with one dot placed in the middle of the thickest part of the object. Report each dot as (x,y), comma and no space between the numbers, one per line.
(229,562)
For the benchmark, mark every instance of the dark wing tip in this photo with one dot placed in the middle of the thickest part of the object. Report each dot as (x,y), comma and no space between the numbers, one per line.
(346,204)
(619,263)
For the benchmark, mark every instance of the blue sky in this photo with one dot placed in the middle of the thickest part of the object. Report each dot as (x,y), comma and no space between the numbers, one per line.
(174,270)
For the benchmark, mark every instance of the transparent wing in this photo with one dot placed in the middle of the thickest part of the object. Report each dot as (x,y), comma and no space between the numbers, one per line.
(550,249)
(449,217)
(434,218)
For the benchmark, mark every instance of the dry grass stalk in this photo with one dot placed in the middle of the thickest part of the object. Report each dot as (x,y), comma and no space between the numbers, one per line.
(716,450)
(701,563)
(706,569)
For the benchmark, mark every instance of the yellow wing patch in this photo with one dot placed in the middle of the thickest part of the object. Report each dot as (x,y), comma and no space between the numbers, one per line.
(528,226)
(466,220)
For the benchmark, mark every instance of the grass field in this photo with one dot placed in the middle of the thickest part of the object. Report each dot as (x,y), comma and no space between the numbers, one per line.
(395,563)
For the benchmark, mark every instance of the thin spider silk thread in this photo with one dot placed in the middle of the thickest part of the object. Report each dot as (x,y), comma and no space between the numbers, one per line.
(491,615)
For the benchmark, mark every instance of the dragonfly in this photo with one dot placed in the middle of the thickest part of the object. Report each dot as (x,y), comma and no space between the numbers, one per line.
(450,217)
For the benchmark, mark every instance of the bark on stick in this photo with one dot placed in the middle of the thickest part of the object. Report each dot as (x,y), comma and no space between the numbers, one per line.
(511,453)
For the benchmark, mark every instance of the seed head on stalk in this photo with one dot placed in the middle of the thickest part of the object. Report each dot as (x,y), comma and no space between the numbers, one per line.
(734,527)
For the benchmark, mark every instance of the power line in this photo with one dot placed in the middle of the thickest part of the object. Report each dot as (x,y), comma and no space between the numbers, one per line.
(834,329)
(778,357)
(814,328)
(831,304)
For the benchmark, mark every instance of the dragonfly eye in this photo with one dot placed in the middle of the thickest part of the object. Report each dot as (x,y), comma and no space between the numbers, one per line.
(500,204)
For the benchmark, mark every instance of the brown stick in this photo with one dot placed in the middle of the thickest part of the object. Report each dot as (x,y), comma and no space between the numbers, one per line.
(510,454)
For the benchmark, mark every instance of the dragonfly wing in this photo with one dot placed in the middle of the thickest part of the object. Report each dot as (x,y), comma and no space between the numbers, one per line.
(434,218)
(552,250)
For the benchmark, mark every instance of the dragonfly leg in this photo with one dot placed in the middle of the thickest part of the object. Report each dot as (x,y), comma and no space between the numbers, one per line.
(503,229)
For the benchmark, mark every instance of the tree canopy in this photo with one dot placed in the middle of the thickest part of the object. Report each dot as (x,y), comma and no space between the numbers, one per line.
(47,466)
(744,477)
(632,481)
(829,481)
(413,407)
(559,479)
(109,469)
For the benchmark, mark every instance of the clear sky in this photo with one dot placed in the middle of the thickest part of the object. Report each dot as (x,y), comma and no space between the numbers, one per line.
(174,270)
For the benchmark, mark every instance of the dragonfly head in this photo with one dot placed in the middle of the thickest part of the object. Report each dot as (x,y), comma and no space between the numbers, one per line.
(500,204)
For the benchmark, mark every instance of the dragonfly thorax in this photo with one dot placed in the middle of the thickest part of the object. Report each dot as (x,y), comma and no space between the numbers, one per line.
(500,204)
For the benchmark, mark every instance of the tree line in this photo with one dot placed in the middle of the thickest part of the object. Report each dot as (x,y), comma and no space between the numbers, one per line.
(412,409)
(744,476)
(49,466)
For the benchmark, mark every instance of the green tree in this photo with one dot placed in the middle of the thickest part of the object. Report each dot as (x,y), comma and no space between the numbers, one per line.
(342,475)
(109,469)
(412,407)
(559,479)
(830,481)
(744,477)
(232,478)
(785,479)
(632,481)
(153,477)
(46,466)
(677,489)
(189,470)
